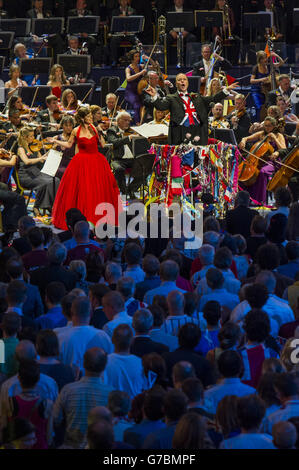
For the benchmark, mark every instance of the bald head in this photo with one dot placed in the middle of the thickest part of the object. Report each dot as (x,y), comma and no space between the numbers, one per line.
(284,435)
(99,413)
(175,302)
(25,351)
(81,232)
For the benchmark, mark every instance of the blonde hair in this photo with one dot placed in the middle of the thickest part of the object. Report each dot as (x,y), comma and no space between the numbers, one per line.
(276,111)
(164,113)
(52,77)
(22,137)
(214,80)
(94,108)
(18,46)
(260,55)
(12,69)
(110,95)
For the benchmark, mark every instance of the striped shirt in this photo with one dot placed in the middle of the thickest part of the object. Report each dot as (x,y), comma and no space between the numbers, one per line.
(73,405)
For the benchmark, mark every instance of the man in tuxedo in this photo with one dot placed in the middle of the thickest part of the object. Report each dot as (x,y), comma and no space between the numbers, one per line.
(188,112)
(47,115)
(122,152)
(38,10)
(202,67)
(284,89)
(153,81)
(80,10)
(239,120)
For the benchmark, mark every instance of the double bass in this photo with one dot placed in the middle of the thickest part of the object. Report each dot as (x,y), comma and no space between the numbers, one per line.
(286,171)
(250,168)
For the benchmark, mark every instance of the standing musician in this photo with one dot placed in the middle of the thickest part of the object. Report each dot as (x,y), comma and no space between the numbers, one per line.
(153,81)
(52,114)
(57,79)
(218,121)
(260,79)
(239,119)
(15,82)
(122,152)
(188,112)
(271,135)
(202,68)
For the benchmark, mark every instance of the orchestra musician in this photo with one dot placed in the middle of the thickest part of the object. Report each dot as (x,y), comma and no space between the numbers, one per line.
(31,177)
(124,9)
(69,100)
(67,124)
(14,83)
(122,152)
(57,79)
(12,126)
(260,79)
(285,110)
(52,114)
(153,81)
(270,134)
(239,119)
(16,103)
(202,68)
(21,52)
(218,121)
(229,19)
(188,112)
(285,90)
(160,117)
(110,101)
(38,10)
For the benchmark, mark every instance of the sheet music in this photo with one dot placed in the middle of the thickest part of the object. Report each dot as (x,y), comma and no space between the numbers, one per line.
(52,163)
(151,130)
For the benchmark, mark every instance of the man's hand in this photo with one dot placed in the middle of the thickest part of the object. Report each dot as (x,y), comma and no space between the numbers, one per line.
(173,34)
(233,86)
(185,34)
(151,91)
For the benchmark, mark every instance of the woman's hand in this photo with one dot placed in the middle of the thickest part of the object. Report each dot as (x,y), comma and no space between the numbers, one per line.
(242,144)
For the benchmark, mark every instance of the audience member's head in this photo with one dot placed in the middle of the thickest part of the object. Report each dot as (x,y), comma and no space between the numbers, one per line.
(283,197)
(286,386)
(112,273)
(268,257)
(250,410)
(16,293)
(11,324)
(78,267)
(223,258)
(175,302)
(113,303)
(169,271)
(96,294)
(36,238)
(256,295)
(194,391)
(284,435)
(256,326)
(29,373)
(142,321)
(25,351)
(190,433)
(122,338)
(24,224)
(230,364)
(100,436)
(175,405)
(55,291)
(154,362)
(226,415)
(267,279)
(133,254)
(153,404)
(119,403)
(181,371)
(57,254)
(229,336)
(81,232)
(266,389)
(94,362)
(212,313)
(150,265)
(215,278)
(258,226)
(242,199)
(126,287)
(189,336)
(81,311)
(47,344)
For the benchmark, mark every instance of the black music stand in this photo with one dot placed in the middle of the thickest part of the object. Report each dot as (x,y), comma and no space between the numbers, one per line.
(20,26)
(35,66)
(184,20)
(258,22)
(27,93)
(2,60)
(7,38)
(225,135)
(47,26)
(143,165)
(290,128)
(75,64)
(85,24)
(140,145)
(207,18)
(296,16)
(129,24)
(81,90)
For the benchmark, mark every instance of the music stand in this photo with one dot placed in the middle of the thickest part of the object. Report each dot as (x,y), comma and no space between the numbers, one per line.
(205,18)
(2,60)
(27,93)
(296,16)
(7,38)
(290,128)
(85,24)
(258,21)
(20,26)
(140,145)
(143,165)
(35,66)
(81,90)
(129,24)
(75,64)
(225,135)
(47,26)
(184,20)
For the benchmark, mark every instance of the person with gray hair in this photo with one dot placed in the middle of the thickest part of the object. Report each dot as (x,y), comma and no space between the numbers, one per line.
(126,286)
(176,316)
(238,220)
(54,271)
(142,343)
(78,267)
(112,274)
(169,272)
(114,309)
(46,387)
(206,256)
(81,335)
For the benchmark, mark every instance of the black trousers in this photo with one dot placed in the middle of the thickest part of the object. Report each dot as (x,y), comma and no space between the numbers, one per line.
(14,208)
(119,167)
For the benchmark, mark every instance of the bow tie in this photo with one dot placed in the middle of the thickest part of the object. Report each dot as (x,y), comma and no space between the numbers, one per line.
(184,94)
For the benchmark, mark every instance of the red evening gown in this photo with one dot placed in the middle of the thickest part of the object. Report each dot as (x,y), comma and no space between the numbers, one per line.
(87,182)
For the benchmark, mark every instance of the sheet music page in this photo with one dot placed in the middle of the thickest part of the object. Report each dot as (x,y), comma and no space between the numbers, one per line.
(52,163)
(151,130)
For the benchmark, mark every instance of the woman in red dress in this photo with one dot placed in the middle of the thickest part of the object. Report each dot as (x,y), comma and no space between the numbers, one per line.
(88,179)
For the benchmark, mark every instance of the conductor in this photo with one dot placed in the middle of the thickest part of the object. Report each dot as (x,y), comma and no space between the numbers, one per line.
(188,111)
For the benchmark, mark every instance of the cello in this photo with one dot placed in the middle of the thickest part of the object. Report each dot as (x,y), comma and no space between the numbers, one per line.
(286,171)
(249,170)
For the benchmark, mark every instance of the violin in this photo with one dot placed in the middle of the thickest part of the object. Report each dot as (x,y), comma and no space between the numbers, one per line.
(58,114)
(37,145)
(5,154)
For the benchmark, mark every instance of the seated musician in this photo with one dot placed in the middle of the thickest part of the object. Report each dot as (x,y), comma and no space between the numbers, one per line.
(179,7)
(80,9)
(124,9)
(52,114)
(159,117)
(271,135)
(218,121)
(228,18)
(39,11)
(57,79)
(239,119)
(67,124)
(21,52)
(14,203)
(12,127)
(15,82)
(122,152)
(88,46)
(153,81)
(16,103)
(285,110)
(3,13)
(69,100)
(202,67)
(272,111)
(110,100)
(102,123)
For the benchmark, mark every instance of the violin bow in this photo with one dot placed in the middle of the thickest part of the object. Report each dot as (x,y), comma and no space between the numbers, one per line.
(150,56)
(86,96)
(33,99)
(114,110)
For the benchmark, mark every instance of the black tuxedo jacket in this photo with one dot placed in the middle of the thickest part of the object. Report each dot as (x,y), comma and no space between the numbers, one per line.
(272,96)
(114,137)
(176,107)
(144,345)
(238,220)
(74,12)
(199,68)
(32,13)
